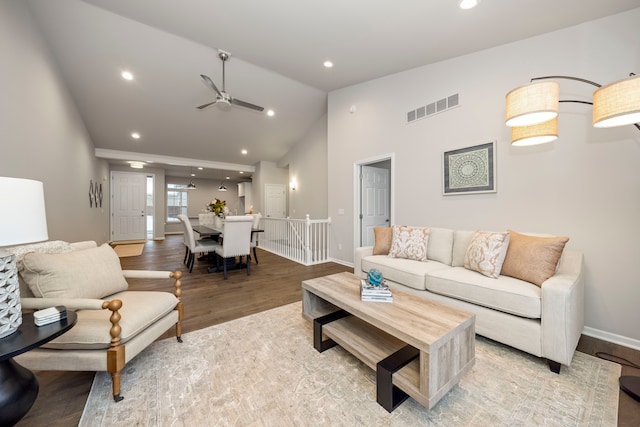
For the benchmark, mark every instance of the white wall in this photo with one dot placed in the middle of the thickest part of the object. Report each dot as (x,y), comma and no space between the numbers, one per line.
(585,185)
(307,162)
(42,135)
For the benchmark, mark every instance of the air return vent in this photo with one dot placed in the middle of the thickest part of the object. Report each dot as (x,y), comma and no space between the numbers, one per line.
(433,108)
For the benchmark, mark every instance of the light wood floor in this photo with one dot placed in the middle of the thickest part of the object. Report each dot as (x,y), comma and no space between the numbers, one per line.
(209,300)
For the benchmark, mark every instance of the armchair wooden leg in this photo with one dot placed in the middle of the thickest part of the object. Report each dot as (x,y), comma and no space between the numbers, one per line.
(179,307)
(248,265)
(255,254)
(224,267)
(116,352)
(186,255)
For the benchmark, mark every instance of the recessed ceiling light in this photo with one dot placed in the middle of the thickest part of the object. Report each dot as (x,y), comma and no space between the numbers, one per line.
(136,165)
(244,151)
(126,75)
(270,113)
(468,4)
(228,177)
(200,168)
(135,135)
(328,64)
(193,174)
(241,172)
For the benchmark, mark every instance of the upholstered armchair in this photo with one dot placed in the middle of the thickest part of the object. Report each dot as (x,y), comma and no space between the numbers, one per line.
(114,324)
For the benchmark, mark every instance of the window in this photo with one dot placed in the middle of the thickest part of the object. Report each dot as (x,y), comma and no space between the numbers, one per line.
(176,201)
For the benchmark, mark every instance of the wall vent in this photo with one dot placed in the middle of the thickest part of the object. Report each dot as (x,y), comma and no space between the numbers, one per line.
(433,108)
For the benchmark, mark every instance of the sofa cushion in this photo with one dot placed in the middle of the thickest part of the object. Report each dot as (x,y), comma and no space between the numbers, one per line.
(532,258)
(407,272)
(486,252)
(139,311)
(409,242)
(461,239)
(440,247)
(88,273)
(382,243)
(505,294)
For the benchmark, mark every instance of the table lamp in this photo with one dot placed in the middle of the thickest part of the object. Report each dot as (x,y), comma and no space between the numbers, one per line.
(22,220)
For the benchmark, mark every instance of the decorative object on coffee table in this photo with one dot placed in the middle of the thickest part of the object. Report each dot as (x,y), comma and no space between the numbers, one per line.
(24,221)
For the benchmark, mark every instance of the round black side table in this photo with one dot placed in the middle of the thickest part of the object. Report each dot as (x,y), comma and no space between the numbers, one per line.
(18,385)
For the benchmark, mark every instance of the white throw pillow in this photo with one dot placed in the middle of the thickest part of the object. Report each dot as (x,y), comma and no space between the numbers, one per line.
(486,253)
(409,242)
(88,273)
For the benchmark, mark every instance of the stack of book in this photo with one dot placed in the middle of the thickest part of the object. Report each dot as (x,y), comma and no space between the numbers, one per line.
(50,315)
(380,293)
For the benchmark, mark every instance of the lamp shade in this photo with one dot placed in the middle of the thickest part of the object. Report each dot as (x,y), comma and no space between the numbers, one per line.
(540,133)
(23,218)
(531,104)
(617,104)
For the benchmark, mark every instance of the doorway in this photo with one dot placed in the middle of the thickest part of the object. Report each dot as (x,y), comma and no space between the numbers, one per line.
(373,199)
(128,206)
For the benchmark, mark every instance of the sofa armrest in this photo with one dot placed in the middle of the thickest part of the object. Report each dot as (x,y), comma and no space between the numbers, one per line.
(563,309)
(360,253)
(69,303)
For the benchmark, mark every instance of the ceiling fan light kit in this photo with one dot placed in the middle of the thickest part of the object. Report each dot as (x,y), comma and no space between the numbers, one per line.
(223,99)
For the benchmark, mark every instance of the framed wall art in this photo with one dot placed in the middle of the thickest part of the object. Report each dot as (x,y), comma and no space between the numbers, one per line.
(470,170)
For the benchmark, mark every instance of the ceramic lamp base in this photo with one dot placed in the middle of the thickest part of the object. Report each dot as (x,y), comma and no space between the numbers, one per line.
(10,308)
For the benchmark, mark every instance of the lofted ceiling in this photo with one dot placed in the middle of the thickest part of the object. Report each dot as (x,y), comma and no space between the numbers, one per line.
(277,52)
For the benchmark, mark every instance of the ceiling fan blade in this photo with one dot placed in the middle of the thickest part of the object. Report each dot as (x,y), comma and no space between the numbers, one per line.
(206,105)
(210,83)
(236,101)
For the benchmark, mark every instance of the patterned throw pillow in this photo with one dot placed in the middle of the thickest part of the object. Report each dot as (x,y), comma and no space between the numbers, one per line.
(533,259)
(409,242)
(383,237)
(486,253)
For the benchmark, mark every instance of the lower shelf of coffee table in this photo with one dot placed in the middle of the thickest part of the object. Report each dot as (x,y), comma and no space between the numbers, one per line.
(371,345)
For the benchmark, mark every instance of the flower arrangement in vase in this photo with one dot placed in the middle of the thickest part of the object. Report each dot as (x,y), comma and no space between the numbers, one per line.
(218,207)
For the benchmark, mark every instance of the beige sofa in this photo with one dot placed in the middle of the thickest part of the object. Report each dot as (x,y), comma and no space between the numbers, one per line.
(113,324)
(544,320)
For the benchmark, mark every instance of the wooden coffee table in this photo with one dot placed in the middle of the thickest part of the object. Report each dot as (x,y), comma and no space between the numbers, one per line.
(419,348)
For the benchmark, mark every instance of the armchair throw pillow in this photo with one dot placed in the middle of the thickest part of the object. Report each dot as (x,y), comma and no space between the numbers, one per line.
(486,252)
(531,258)
(88,273)
(409,242)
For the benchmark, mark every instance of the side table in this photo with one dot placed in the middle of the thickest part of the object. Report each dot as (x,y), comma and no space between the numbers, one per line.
(18,385)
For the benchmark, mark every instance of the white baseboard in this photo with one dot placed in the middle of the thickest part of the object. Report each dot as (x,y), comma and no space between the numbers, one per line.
(614,338)
(341,262)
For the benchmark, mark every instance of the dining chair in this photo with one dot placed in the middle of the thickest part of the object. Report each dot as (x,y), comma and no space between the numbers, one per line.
(236,241)
(254,236)
(203,246)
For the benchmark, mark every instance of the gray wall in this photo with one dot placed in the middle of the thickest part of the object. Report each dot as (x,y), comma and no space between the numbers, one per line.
(42,134)
(585,185)
(307,162)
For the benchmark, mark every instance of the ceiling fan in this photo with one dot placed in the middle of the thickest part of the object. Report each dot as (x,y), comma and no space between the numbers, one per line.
(223,99)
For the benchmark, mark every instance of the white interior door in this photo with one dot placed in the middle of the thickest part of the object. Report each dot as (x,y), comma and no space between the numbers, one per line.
(128,206)
(375,201)
(275,201)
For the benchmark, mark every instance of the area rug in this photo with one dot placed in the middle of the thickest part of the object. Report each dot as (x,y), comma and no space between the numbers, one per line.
(133,249)
(262,370)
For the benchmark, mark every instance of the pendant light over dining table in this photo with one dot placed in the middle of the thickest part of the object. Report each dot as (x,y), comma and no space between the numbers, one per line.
(222,187)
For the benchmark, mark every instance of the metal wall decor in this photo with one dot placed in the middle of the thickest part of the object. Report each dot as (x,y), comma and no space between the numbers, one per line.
(95,194)
(470,170)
